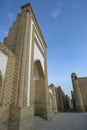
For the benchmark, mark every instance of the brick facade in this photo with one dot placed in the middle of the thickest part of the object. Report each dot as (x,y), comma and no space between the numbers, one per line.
(24,91)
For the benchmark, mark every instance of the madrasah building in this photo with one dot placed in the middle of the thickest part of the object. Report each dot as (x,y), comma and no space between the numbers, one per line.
(24,92)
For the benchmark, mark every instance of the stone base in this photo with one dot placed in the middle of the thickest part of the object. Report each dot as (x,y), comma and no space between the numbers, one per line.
(4,117)
(16,119)
(21,119)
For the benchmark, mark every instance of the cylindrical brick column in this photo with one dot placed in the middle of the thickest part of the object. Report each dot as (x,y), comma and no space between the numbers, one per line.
(77,93)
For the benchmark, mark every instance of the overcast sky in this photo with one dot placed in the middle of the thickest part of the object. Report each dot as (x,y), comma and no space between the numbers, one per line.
(64,27)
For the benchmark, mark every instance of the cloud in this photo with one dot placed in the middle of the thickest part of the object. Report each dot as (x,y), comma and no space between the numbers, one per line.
(5,32)
(55,13)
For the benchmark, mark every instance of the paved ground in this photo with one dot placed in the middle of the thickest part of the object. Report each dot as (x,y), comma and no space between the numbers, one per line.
(68,121)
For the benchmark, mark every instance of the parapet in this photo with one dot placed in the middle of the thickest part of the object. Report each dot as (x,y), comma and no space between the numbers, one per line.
(26,7)
(73,76)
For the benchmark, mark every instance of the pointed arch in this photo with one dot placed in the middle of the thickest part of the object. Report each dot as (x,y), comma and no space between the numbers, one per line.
(40,89)
(38,71)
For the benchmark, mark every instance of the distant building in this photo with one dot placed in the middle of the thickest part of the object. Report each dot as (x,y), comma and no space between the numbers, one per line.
(52,99)
(69,102)
(79,92)
(63,101)
(73,100)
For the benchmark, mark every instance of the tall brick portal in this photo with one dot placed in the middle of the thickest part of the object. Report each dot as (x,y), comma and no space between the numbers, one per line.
(23,74)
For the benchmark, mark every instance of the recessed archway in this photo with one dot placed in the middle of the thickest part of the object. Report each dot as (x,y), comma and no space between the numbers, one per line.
(40,90)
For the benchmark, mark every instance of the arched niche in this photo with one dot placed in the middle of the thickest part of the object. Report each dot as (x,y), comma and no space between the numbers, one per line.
(40,89)
(38,71)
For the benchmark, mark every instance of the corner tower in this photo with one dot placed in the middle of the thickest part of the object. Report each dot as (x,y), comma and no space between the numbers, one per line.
(77,94)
